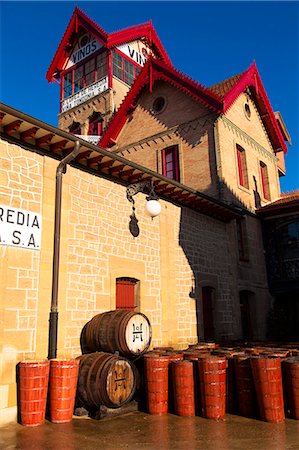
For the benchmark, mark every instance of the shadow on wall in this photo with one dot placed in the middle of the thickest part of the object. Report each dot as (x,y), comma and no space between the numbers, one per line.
(220,265)
(205,243)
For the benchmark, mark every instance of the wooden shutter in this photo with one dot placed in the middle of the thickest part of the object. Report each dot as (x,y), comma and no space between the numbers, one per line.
(125,293)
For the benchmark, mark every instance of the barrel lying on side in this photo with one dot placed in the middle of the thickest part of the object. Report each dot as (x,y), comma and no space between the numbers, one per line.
(105,379)
(127,332)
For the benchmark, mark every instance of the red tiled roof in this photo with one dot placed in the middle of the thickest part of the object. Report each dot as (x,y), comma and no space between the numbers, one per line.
(219,97)
(152,71)
(286,202)
(222,88)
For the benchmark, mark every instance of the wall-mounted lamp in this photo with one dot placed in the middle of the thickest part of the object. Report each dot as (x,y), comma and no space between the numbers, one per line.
(152,207)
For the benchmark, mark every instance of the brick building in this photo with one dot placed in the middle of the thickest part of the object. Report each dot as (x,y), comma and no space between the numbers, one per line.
(214,156)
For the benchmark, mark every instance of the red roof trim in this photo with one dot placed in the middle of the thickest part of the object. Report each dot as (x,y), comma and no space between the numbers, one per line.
(108,40)
(160,71)
(78,17)
(251,78)
(136,32)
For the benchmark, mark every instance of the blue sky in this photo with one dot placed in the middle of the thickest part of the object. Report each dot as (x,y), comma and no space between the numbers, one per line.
(209,41)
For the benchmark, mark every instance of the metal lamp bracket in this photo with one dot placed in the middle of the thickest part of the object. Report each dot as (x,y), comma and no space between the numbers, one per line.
(145,187)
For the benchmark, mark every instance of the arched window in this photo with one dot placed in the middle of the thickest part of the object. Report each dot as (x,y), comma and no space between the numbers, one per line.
(75,128)
(242,167)
(265,181)
(208,294)
(246,305)
(127,293)
(95,124)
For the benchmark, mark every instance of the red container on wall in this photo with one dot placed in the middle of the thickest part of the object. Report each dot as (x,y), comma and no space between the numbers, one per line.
(62,389)
(33,378)
(267,378)
(156,383)
(183,388)
(212,375)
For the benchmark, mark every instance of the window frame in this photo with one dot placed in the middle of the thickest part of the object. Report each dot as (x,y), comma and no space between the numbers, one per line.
(95,121)
(242,167)
(172,150)
(82,65)
(75,128)
(242,240)
(125,61)
(264,176)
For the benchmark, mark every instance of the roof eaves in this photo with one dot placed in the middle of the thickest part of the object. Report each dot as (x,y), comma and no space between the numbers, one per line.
(251,78)
(174,191)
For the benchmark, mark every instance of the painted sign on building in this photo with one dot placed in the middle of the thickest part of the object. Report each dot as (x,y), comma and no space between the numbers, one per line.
(86,46)
(136,51)
(92,139)
(20,228)
(85,94)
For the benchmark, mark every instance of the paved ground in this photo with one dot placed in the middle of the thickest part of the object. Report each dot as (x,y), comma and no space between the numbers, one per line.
(138,430)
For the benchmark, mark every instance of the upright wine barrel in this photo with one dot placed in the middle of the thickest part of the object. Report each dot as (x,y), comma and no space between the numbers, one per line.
(127,332)
(33,378)
(291,372)
(183,388)
(63,380)
(245,386)
(212,375)
(267,376)
(156,383)
(105,379)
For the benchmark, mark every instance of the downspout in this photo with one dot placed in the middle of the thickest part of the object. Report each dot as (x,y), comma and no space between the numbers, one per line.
(218,160)
(53,319)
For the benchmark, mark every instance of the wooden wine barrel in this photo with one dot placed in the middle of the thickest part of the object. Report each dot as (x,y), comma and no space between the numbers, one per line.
(105,379)
(126,332)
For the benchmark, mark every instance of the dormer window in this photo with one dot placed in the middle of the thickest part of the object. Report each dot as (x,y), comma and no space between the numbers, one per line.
(124,69)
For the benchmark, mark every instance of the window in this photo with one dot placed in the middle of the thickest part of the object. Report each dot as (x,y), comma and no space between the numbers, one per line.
(68,84)
(127,293)
(95,125)
(124,69)
(85,74)
(208,297)
(170,163)
(101,66)
(242,240)
(75,128)
(158,105)
(242,167)
(265,181)
(246,304)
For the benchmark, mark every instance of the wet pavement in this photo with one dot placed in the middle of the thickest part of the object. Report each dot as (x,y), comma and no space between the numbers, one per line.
(139,430)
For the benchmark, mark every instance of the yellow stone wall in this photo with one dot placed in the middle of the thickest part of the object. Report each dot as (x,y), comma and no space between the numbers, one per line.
(174,255)
(96,248)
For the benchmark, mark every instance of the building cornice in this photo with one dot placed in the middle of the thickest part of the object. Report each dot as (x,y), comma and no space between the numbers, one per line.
(45,139)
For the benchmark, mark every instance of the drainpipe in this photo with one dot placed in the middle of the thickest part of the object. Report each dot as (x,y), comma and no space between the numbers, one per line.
(53,319)
(218,160)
